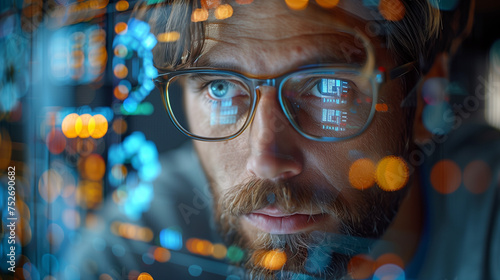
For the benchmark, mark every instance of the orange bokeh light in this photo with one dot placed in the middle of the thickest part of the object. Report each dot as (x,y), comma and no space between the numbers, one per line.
(223,11)
(98,126)
(360,266)
(381,107)
(121,28)
(297,4)
(94,167)
(392,173)
(119,126)
(362,174)
(121,92)
(120,71)
(68,126)
(199,15)
(446,176)
(392,10)
(244,2)
(82,125)
(327,3)
(168,37)
(121,6)
(161,254)
(145,276)
(388,258)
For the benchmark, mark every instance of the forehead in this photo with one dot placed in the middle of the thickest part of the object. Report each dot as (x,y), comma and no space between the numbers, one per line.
(269,38)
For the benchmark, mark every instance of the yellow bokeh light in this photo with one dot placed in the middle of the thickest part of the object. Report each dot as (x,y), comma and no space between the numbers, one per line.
(82,125)
(145,276)
(223,11)
(98,126)
(219,251)
(446,176)
(362,174)
(327,3)
(121,6)
(297,4)
(120,71)
(168,37)
(199,15)
(392,10)
(49,185)
(94,167)
(204,247)
(392,173)
(121,28)
(161,254)
(274,260)
(68,126)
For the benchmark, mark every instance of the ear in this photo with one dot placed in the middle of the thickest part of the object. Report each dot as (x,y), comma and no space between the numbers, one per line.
(439,69)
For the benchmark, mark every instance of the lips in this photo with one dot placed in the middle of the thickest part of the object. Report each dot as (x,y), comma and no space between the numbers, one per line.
(275,221)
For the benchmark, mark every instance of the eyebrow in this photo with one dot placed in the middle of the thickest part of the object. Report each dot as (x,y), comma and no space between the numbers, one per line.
(327,53)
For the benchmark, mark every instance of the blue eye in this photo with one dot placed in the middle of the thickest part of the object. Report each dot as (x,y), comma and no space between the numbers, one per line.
(219,88)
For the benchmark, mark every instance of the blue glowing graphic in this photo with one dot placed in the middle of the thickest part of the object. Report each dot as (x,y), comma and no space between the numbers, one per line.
(171,238)
(138,38)
(389,271)
(142,155)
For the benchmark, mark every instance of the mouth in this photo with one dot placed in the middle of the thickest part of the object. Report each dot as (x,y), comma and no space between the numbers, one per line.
(275,221)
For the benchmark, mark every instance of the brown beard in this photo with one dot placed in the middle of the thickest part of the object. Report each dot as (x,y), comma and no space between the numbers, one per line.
(322,254)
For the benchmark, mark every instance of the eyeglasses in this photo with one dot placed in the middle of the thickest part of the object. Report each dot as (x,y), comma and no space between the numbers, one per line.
(326,103)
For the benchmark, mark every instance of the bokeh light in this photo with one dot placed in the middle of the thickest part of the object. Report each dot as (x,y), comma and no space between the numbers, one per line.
(381,107)
(219,251)
(199,15)
(297,4)
(195,270)
(68,125)
(327,3)
(119,126)
(388,258)
(210,4)
(120,71)
(71,218)
(56,142)
(121,27)
(223,11)
(145,276)
(446,176)
(82,125)
(94,167)
(121,5)
(362,174)
(445,5)
(274,260)
(434,90)
(98,126)
(244,2)
(171,238)
(120,51)
(392,173)
(55,235)
(389,271)
(360,266)
(161,254)
(438,118)
(477,176)
(392,10)
(168,37)
(121,92)
(235,254)
(5,149)
(50,185)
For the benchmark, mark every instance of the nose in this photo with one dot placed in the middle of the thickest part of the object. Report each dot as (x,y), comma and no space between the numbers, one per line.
(275,153)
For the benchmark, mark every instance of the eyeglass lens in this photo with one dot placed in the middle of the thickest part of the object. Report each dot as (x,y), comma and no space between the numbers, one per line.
(320,104)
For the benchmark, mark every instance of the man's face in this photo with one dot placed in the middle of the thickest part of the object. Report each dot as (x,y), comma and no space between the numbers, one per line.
(275,189)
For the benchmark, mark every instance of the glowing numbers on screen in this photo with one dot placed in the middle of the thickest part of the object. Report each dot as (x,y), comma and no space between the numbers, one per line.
(136,37)
(223,112)
(333,91)
(78,54)
(142,155)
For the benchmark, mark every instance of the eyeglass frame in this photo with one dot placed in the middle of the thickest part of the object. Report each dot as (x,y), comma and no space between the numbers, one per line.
(377,76)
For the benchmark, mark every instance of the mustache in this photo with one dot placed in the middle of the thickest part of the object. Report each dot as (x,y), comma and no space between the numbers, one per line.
(290,198)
